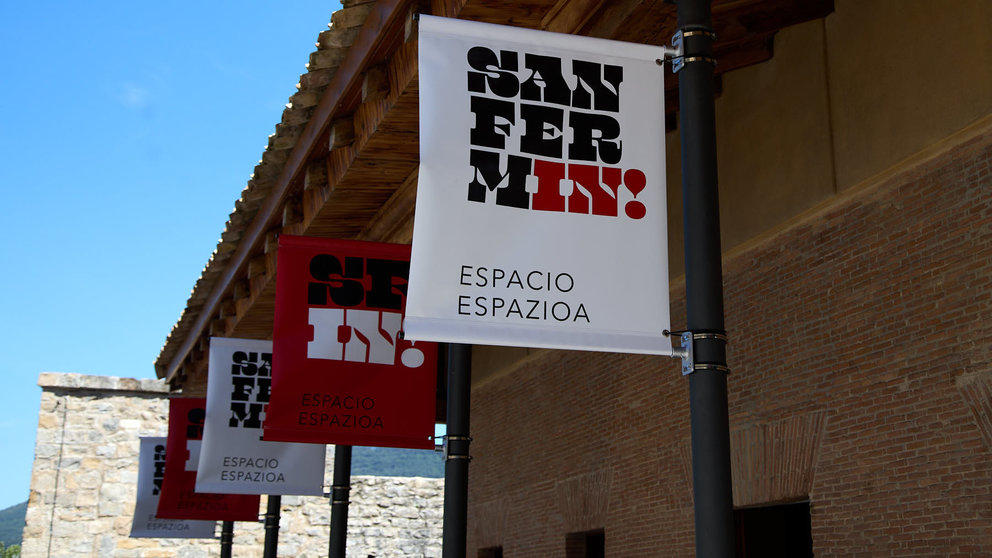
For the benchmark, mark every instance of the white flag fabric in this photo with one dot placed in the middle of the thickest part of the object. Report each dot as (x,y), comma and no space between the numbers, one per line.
(151,471)
(541,205)
(233,457)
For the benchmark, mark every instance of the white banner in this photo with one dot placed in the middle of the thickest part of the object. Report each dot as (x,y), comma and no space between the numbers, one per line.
(541,217)
(233,457)
(151,471)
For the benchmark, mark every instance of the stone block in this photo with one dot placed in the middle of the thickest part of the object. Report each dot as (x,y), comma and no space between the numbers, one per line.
(47,421)
(130,424)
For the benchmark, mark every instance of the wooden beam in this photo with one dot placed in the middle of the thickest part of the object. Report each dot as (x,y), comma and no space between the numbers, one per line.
(342,133)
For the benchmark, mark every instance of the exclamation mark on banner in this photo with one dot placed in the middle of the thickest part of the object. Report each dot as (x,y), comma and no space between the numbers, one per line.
(635,181)
(412,357)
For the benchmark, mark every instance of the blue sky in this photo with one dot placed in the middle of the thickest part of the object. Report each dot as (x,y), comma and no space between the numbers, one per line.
(127,131)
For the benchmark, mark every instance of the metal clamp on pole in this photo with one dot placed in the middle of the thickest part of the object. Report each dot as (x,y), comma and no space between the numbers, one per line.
(685,351)
(679,60)
(448,455)
(689,365)
(340,494)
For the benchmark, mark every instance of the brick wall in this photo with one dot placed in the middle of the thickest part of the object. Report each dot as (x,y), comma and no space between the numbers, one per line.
(861,356)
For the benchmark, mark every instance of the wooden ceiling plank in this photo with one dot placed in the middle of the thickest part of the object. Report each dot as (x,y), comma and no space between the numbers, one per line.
(568,16)
(610,18)
(447,8)
(394,214)
(508,12)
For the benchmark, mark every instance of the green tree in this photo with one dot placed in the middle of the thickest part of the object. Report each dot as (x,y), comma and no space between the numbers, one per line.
(12,551)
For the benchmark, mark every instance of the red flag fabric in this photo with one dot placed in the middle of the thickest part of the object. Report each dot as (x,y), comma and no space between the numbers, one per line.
(178,499)
(342,372)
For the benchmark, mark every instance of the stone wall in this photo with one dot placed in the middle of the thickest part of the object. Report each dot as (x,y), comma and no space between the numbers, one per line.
(85,472)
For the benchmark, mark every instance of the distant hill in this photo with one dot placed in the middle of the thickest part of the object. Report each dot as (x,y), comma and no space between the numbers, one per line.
(396,462)
(12,524)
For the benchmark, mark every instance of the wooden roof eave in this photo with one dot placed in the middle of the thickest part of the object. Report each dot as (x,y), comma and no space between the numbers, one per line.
(385,15)
(369,180)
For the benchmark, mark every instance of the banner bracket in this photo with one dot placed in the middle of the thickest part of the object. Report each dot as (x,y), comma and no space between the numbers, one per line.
(449,455)
(673,53)
(676,52)
(340,494)
(685,350)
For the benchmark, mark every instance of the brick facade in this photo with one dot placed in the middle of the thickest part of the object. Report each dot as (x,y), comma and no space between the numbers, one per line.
(861,356)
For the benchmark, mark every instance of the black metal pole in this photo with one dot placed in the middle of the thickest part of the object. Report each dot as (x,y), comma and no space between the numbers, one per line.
(457,455)
(340,492)
(271,526)
(226,538)
(704,286)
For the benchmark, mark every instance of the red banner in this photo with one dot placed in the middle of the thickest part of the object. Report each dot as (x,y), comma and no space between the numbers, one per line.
(342,373)
(178,499)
